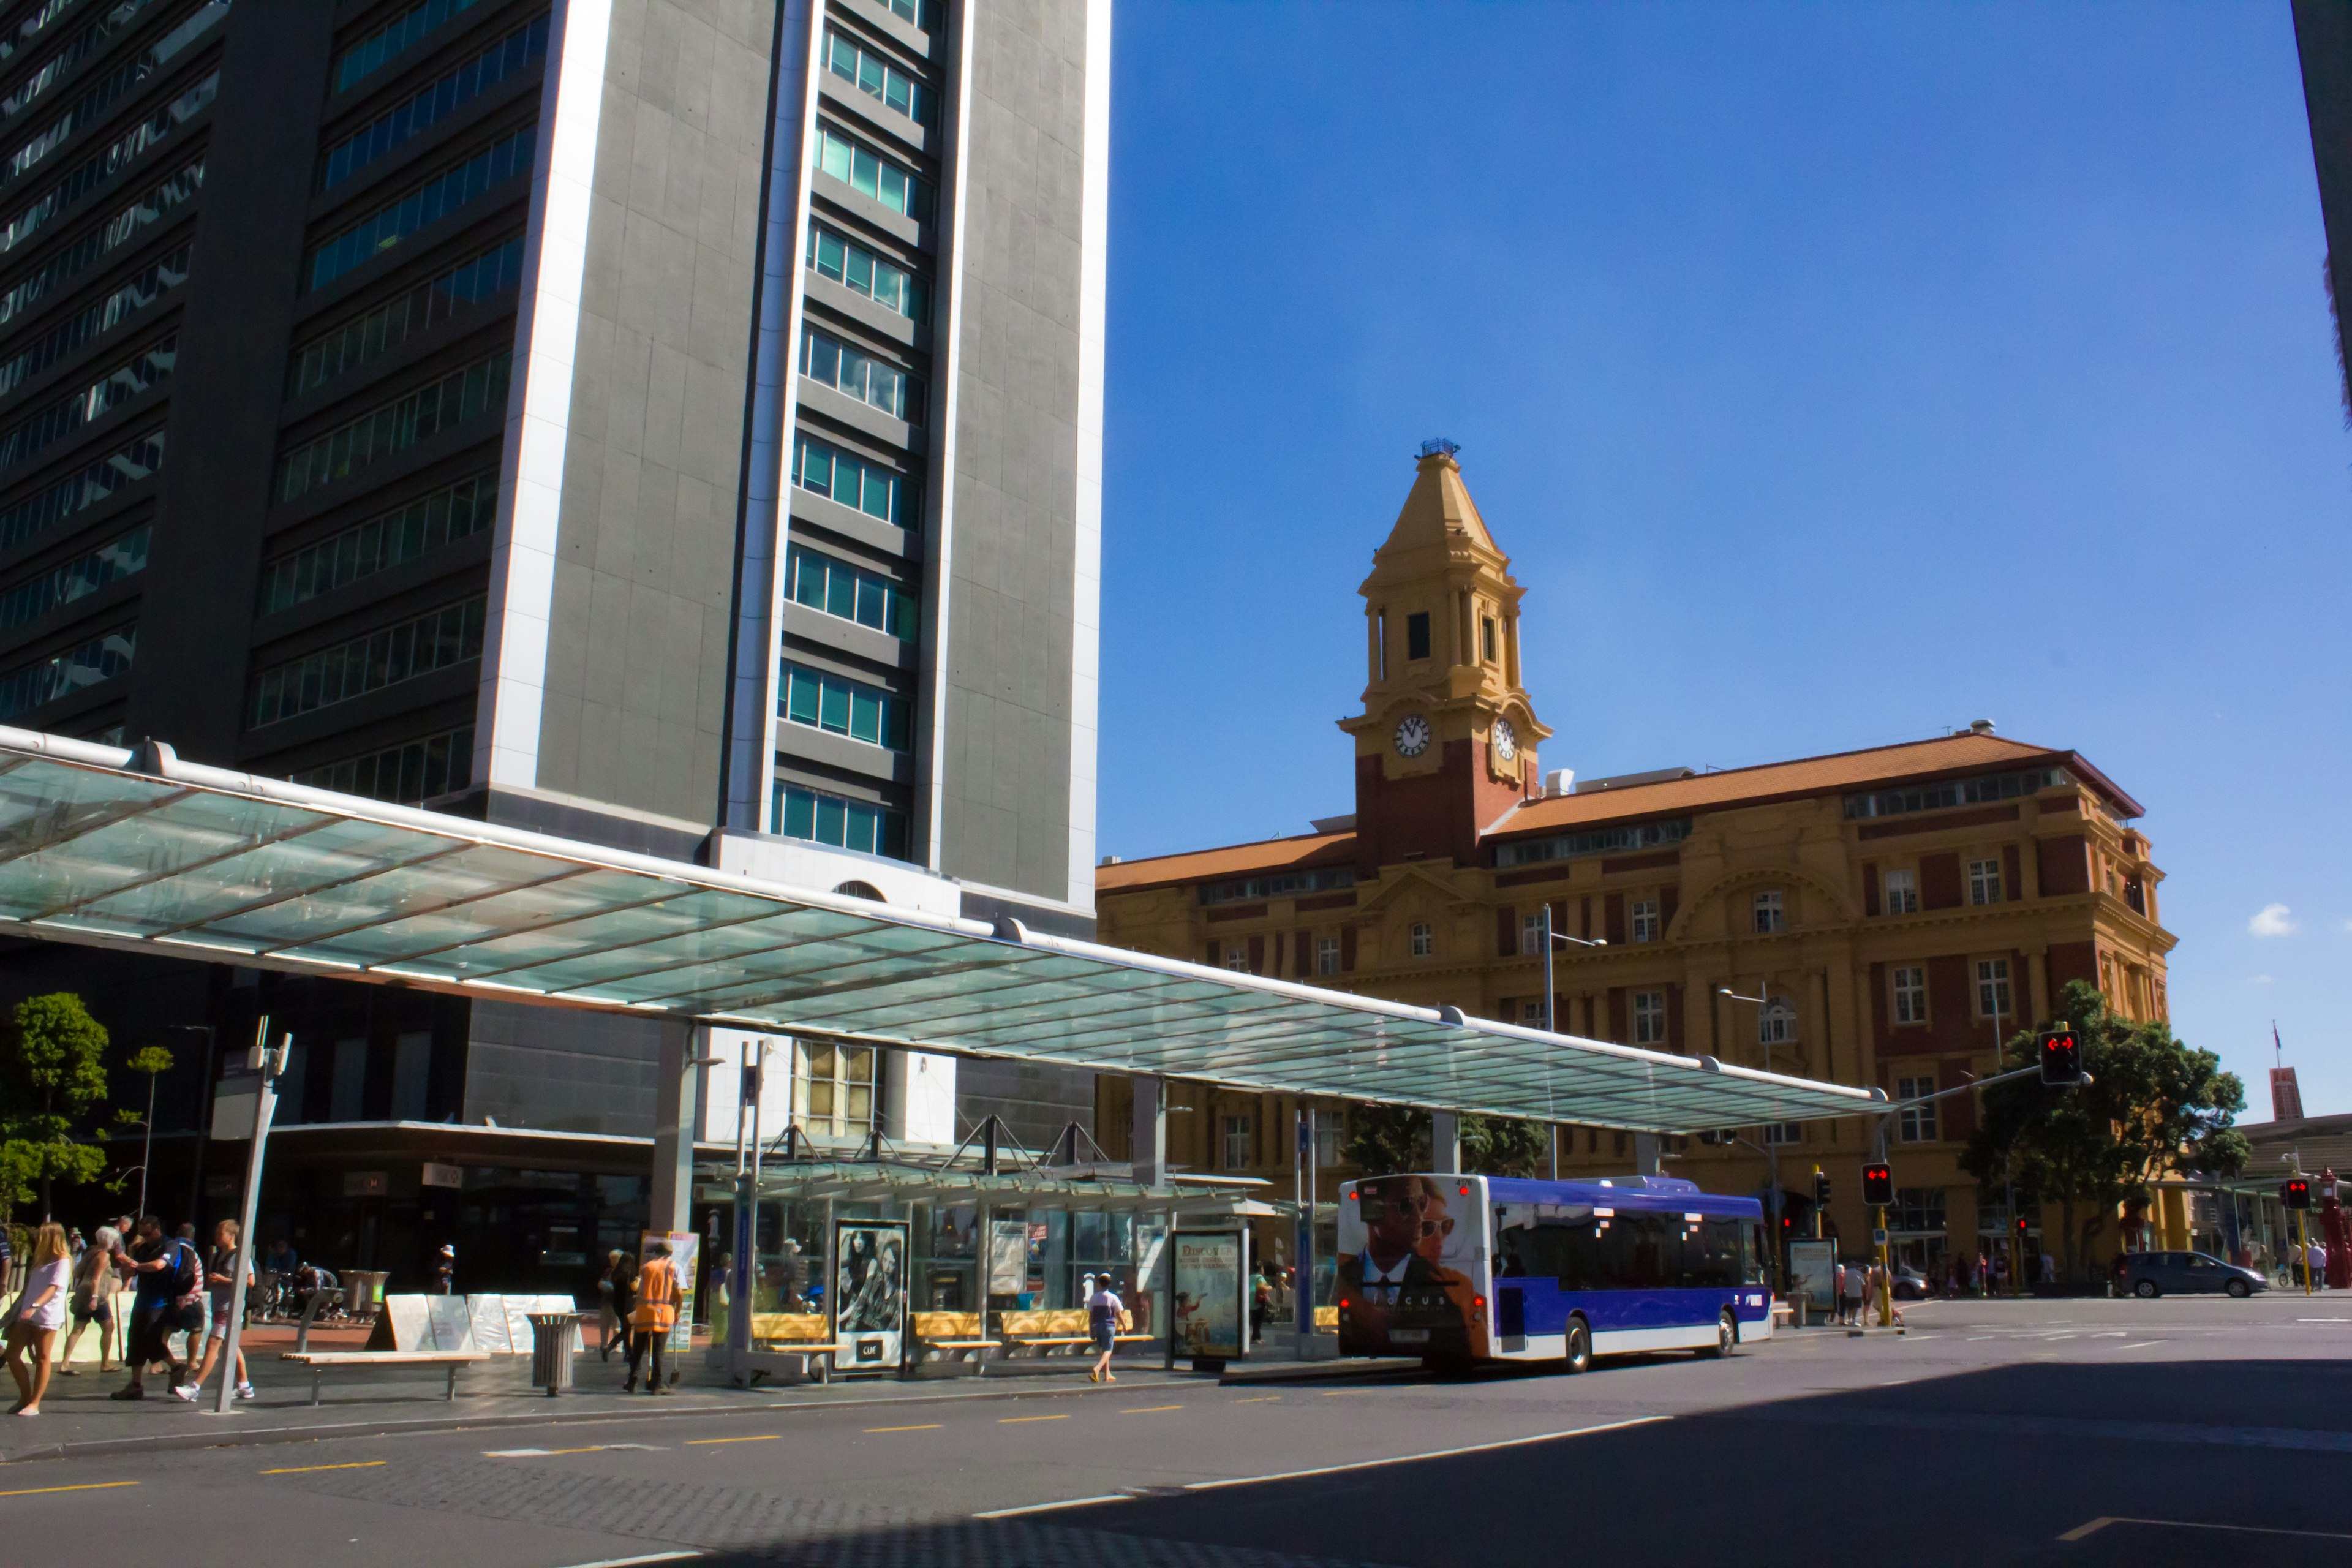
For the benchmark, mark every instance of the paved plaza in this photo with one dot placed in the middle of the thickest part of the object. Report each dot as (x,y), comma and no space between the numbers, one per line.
(2060,1432)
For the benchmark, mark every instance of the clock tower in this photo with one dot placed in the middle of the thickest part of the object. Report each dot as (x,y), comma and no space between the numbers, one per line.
(1445,746)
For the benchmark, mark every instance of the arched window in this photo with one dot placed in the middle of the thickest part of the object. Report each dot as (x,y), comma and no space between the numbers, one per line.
(1777,1024)
(861,891)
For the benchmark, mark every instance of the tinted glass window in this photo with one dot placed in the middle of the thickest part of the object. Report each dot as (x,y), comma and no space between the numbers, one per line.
(1715,1257)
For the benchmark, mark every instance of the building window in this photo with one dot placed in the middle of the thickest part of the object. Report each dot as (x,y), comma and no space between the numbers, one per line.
(1644,923)
(1917,1211)
(1327,955)
(1238,1143)
(1424,939)
(855,482)
(1770,915)
(824,818)
(1531,935)
(1237,956)
(861,271)
(1984,881)
(1992,987)
(447,515)
(1416,634)
(876,383)
(1531,1012)
(1776,1024)
(1910,995)
(1784,1132)
(1486,638)
(1902,893)
(833,1088)
(878,78)
(407,774)
(1918,1122)
(1649,1017)
(837,588)
(413,116)
(822,700)
(96,320)
(385,432)
(101,658)
(93,399)
(1331,1128)
(393,37)
(31,600)
(435,198)
(869,173)
(436,640)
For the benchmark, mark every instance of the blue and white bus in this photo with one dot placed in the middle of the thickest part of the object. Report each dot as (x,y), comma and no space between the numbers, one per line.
(1458,1270)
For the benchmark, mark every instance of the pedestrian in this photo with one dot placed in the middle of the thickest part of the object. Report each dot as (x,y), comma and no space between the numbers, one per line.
(1260,1302)
(40,1312)
(1853,1281)
(2001,1272)
(220,1282)
(658,1295)
(608,1318)
(169,1300)
(281,1259)
(1104,1312)
(445,1270)
(75,1245)
(624,1304)
(93,1299)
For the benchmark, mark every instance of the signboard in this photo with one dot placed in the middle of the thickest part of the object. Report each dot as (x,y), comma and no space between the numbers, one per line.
(440,1175)
(1408,1254)
(366,1184)
(1207,1289)
(1812,1273)
(684,1249)
(237,1101)
(868,1292)
(1008,1256)
(1878,1237)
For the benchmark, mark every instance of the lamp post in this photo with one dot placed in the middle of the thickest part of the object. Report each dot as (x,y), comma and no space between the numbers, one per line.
(204,1120)
(1551,1024)
(1771,1143)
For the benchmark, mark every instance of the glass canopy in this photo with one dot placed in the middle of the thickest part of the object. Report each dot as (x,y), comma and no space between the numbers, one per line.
(146,852)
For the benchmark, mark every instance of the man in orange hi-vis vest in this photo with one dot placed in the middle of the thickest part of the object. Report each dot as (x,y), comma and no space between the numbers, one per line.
(658,1296)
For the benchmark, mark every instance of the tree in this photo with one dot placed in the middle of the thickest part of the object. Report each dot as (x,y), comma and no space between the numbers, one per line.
(52,1070)
(2153,1105)
(154,1061)
(1385,1139)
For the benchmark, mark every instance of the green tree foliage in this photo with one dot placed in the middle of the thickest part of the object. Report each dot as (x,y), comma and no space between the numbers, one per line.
(1385,1139)
(52,1072)
(152,1060)
(2154,1105)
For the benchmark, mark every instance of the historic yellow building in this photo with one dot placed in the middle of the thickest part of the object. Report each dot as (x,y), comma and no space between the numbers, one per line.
(1897,910)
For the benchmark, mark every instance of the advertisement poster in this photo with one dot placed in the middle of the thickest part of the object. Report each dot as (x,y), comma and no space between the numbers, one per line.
(1207,1297)
(869,1293)
(685,1250)
(1812,1273)
(1406,1260)
(1008,1256)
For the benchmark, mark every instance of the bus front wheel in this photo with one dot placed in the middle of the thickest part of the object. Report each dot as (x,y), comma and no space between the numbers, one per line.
(1725,1336)
(1579,1346)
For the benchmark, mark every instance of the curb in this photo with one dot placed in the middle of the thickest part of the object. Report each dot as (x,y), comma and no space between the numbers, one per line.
(1320,1372)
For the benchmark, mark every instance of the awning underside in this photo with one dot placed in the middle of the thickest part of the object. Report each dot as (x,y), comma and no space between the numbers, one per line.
(201,863)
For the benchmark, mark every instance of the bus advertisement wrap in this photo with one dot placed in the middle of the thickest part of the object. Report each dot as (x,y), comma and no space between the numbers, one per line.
(1207,1286)
(1407,1263)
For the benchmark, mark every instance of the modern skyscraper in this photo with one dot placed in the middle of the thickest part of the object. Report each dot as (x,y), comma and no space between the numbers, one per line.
(670,424)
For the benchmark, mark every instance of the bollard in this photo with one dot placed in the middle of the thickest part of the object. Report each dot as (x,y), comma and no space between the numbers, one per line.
(551,1350)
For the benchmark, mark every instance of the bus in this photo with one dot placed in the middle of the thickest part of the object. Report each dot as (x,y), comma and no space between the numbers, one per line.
(1459,1269)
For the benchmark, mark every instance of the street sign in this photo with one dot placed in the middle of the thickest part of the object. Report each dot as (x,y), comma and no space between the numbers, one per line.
(1878,1235)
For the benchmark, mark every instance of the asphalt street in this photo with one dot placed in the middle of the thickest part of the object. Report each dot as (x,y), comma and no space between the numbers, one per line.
(2065,1433)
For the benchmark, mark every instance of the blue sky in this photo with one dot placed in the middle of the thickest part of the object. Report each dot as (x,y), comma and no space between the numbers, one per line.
(1835,375)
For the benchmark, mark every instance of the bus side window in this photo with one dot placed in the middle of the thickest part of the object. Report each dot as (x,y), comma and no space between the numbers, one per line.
(1719,1261)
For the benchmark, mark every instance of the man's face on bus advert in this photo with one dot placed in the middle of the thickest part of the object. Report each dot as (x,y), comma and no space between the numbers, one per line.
(1404,1215)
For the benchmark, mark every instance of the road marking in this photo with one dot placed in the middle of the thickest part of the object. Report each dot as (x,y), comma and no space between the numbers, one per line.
(926,1427)
(2324,1320)
(85,1487)
(1050,1506)
(550,1453)
(1344,1392)
(1261,1399)
(1014,1420)
(635,1562)
(2141,1345)
(1432,1454)
(305,1469)
(1149,1409)
(705,1442)
(2095,1526)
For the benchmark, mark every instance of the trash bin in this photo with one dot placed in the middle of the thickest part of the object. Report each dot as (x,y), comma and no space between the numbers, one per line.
(551,1350)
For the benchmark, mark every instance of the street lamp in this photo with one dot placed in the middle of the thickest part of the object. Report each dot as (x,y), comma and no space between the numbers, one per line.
(1551,1024)
(1771,1143)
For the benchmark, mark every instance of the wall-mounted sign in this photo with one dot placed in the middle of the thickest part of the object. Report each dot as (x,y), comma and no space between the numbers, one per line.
(366,1184)
(440,1175)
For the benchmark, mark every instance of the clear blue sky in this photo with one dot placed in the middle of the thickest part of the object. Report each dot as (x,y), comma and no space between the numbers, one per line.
(1835,376)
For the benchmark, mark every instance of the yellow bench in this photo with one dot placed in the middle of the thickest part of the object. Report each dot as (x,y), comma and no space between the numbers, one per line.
(1327,1320)
(954,1333)
(1047,1328)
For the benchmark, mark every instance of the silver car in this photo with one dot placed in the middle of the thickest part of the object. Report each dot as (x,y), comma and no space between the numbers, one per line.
(2148,1275)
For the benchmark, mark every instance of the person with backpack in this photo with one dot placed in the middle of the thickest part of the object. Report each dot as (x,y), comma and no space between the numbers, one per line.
(169,1300)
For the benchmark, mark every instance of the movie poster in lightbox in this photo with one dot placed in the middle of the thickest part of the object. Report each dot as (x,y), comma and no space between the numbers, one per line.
(868,1292)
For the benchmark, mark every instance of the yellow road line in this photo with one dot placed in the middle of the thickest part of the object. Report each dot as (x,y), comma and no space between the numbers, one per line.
(1147,1409)
(1010,1420)
(1344,1392)
(763,1437)
(85,1487)
(1261,1399)
(305,1470)
(926,1427)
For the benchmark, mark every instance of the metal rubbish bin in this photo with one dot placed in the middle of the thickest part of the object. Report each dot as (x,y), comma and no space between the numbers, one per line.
(551,1350)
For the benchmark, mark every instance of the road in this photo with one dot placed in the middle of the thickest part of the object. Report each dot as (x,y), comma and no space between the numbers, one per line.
(2065,1433)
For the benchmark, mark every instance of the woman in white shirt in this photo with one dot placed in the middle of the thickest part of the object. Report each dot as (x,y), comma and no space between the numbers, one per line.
(40,1312)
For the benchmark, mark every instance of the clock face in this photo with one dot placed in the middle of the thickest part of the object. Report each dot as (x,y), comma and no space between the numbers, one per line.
(1506,739)
(1413,736)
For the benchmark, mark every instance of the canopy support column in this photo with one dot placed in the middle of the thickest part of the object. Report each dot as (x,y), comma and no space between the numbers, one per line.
(1645,1154)
(1445,1141)
(673,1102)
(1147,1146)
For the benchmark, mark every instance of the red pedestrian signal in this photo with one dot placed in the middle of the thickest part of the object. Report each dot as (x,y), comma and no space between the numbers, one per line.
(2297,1193)
(2062,1058)
(2021,1227)
(1878,1185)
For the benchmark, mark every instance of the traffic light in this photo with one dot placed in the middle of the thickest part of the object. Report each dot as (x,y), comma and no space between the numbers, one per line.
(1821,1189)
(2062,1058)
(2021,1227)
(1878,1185)
(2297,1193)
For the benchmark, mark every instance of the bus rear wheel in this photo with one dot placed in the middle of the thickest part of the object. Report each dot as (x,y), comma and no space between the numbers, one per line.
(1579,1346)
(1726,1336)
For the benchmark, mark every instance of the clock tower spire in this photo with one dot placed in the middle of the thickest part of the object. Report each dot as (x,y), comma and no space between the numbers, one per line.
(1445,746)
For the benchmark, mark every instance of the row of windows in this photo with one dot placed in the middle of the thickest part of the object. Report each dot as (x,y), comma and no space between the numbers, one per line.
(1594,841)
(833,1088)
(1907,984)
(452,513)
(861,271)
(868,172)
(855,482)
(105,163)
(1282,885)
(379,331)
(1958,791)
(1916,1123)
(113,20)
(435,640)
(26,32)
(1330,1132)
(1899,889)
(1586,1248)
(877,77)
(824,818)
(102,657)
(120,82)
(837,588)
(914,13)
(113,387)
(397,426)
(149,208)
(365,56)
(1642,924)
(826,359)
(95,320)
(1235,955)
(822,700)
(77,579)
(435,103)
(406,774)
(435,198)
(132,461)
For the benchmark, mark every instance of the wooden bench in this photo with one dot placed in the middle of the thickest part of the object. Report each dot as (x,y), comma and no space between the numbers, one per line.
(804,1334)
(952,1333)
(322,1362)
(1327,1320)
(1048,1329)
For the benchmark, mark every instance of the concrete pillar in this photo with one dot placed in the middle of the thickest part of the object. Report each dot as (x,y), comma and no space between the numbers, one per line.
(675,1095)
(1148,1135)
(1445,1141)
(1645,1154)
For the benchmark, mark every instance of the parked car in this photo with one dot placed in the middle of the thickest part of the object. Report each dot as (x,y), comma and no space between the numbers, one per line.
(1908,1283)
(2148,1275)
